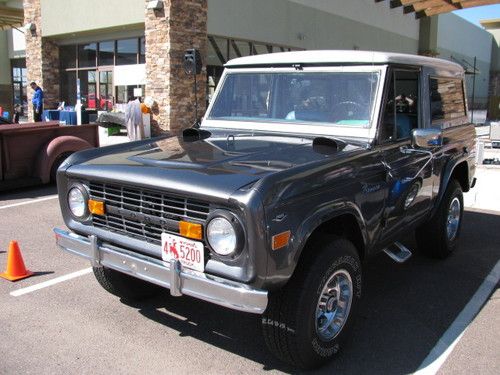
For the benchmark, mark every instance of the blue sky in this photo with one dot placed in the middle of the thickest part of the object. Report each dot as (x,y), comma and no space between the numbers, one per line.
(479,13)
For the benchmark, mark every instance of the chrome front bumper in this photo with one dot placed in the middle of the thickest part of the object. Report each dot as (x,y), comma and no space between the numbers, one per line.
(171,275)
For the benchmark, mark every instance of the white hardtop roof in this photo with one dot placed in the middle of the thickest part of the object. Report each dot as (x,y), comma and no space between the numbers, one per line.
(341,57)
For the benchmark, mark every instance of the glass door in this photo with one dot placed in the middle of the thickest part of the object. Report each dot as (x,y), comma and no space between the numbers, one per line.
(19,87)
(105,90)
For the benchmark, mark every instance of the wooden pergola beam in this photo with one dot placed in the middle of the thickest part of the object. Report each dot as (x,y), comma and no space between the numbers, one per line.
(10,17)
(427,8)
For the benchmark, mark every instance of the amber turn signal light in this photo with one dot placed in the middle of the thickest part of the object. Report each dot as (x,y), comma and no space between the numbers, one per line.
(281,240)
(96,207)
(191,230)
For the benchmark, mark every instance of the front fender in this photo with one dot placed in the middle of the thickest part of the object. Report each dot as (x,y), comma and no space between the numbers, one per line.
(324,215)
(283,261)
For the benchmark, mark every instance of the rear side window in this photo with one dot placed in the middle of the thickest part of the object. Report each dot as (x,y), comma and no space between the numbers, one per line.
(447,99)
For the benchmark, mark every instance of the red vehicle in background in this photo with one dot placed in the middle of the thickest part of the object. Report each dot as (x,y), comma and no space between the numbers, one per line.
(105,104)
(31,153)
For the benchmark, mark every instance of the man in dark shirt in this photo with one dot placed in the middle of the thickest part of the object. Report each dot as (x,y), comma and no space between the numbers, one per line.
(37,101)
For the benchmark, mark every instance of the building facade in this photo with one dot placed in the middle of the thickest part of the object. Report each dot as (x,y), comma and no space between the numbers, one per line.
(124,48)
(493,27)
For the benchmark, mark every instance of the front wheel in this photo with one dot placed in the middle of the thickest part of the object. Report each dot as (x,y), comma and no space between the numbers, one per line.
(438,238)
(307,321)
(124,286)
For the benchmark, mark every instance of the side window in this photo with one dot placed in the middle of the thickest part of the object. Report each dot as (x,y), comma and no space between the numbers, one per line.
(447,99)
(401,110)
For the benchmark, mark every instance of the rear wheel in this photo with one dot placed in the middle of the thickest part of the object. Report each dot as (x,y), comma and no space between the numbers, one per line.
(308,320)
(125,286)
(438,237)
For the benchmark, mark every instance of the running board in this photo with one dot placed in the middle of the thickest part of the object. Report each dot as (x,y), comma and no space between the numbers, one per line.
(398,252)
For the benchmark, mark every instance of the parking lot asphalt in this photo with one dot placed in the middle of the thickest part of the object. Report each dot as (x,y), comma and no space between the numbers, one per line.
(76,327)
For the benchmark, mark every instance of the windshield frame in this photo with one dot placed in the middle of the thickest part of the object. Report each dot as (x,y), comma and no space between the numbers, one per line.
(302,127)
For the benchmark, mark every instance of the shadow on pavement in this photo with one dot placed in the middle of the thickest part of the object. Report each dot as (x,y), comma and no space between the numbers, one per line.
(42,273)
(405,308)
(28,192)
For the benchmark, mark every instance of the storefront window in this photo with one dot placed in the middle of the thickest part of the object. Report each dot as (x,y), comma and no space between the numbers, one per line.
(142,52)
(88,88)
(87,54)
(19,84)
(106,53)
(68,87)
(126,93)
(126,51)
(105,90)
(67,56)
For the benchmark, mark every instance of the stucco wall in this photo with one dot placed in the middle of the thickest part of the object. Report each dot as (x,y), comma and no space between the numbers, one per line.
(292,24)
(4,59)
(461,36)
(463,40)
(67,17)
(495,58)
(5,82)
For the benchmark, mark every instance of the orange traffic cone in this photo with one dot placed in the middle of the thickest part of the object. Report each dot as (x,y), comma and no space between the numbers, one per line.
(15,264)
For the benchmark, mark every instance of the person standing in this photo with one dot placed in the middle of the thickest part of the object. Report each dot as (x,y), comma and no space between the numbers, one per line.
(37,101)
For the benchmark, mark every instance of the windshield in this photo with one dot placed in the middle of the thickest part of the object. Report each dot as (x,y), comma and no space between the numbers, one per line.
(324,98)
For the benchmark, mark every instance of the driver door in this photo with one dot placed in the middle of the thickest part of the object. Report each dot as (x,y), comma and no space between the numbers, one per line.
(408,171)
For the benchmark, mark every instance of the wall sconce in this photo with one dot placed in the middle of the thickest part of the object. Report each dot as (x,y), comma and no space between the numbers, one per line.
(301,36)
(29,27)
(155,4)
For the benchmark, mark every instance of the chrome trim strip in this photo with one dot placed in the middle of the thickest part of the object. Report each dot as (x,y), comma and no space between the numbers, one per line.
(223,292)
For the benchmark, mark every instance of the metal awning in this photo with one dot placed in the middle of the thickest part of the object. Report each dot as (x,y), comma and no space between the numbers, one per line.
(10,17)
(426,8)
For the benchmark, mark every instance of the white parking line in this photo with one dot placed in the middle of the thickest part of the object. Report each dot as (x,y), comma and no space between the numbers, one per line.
(454,333)
(60,279)
(30,201)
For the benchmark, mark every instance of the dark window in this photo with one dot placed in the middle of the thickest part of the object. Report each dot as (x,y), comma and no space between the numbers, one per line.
(88,88)
(339,98)
(387,128)
(126,51)
(142,54)
(67,56)
(106,53)
(447,99)
(87,54)
(401,110)
(68,87)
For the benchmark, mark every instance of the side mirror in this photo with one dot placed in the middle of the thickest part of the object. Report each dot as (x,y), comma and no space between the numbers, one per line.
(426,138)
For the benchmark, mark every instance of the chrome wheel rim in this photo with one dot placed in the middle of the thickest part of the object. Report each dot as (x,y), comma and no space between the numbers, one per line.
(333,305)
(453,220)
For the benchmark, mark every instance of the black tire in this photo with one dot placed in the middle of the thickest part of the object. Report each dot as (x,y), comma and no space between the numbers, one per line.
(125,286)
(433,238)
(56,164)
(290,324)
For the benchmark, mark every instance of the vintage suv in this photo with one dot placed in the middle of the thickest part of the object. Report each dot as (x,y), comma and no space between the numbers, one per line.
(305,165)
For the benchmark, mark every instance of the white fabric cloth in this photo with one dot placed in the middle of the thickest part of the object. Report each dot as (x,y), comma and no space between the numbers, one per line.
(133,120)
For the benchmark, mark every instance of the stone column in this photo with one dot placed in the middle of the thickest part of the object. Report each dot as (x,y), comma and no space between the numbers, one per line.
(170,31)
(42,58)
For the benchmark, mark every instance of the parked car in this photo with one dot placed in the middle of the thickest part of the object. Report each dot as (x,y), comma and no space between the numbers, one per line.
(31,153)
(306,165)
(103,103)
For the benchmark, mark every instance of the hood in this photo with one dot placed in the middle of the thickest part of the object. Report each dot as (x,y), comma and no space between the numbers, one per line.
(221,163)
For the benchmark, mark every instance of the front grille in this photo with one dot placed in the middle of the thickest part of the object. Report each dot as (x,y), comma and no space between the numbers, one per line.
(144,214)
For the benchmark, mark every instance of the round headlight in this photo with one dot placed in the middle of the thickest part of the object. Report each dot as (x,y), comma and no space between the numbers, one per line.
(221,236)
(77,202)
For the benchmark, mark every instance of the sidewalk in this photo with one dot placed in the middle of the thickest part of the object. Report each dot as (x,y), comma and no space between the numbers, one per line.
(485,195)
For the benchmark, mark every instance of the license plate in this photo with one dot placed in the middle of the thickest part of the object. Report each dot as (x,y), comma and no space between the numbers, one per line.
(190,253)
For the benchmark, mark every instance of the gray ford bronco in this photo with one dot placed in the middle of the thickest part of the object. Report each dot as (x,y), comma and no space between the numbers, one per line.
(305,165)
